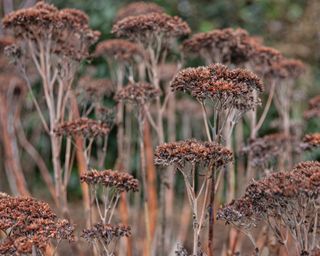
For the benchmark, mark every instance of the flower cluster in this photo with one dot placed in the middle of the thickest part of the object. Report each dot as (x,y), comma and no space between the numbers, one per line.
(192,151)
(234,88)
(120,50)
(138,8)
(106,232)
(83,126)
(225,45)
(144,28)
(27,224)
(95,88)
(121,181)
(286,69)
(288,199)
(139,93)
(314,108)
(265,149)
(311,141)
(67,30)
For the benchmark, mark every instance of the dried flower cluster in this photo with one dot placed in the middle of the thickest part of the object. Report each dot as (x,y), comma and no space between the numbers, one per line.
(192,151)
(314,108)
(139,93)
(106,232)
(265,149)
(229,87)
(287,200)
(95,88)
(121,181)
(120,50)
(138,8)
(67,29)
(144,28)
(83,126)
(225,45)
(311,141)
(29,224)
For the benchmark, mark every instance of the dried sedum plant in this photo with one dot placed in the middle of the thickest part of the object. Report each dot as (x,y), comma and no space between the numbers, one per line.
(313,110)
(288,202)
(138,8)
(104,235)
(29,226)
(56,41)
(194,160)
(265,150)
(311,141)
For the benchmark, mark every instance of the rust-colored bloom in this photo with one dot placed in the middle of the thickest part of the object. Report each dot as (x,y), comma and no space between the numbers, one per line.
(121,181)
(313,108)
(106,232)
(311,141)
(29,223)
(265,149)
(139,93)
(145,28)
(232,88)
(221,45)
(192,151)
(138,8)
(83,126)
(67,30)
(120,50)
(285,196)
(94,88)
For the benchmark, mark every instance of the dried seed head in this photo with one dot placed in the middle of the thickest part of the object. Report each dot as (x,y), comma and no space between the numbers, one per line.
(311,141)
(67,30)
(192,151)
(314,108)
(263,58)
(121,181)
(83,126)
(239,213)
(225,45)
(286,69)
(29,223)
(93,88)
(146,28)
(265,149)
(120,50)
(139,93)
(233,88)
(106,232)
(138,8)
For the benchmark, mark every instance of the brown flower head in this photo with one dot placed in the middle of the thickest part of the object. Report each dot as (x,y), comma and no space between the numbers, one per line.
(239,213)
(94,88)
(121,181)
(286,69)
(263,59)
(221,45)
(311,141)
(233,88)
(138,93)
(29,223)
(67,30)
(146,28)
(265,149)
(192,151)
(120,50)
(138,8)
(313,109)
(106,232)
(83,126)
